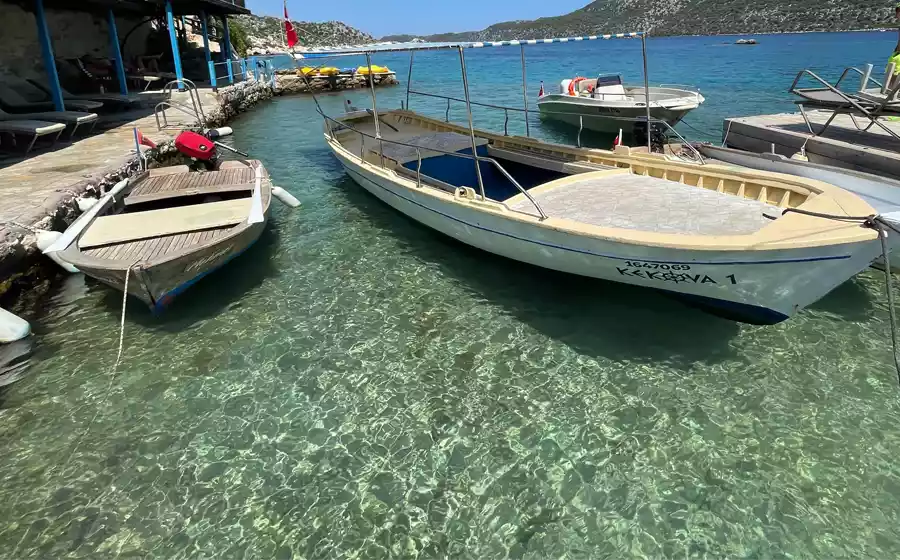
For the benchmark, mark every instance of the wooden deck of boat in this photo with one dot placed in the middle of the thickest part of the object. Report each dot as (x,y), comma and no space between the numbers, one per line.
(182,184)
(842,144)
(147,249)
(625,200)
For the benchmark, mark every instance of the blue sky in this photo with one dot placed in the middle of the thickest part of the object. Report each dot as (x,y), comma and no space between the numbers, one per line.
(385,17)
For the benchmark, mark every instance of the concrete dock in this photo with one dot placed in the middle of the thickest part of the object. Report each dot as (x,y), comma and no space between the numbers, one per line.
(841,145)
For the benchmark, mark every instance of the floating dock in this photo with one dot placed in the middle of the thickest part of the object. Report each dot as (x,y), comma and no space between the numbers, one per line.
(842,145)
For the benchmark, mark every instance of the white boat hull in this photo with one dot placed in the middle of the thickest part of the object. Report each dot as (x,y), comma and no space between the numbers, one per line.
(761,287)
(616,112)
(881,193)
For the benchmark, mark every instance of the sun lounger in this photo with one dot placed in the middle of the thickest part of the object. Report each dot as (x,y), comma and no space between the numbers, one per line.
(31,130)
(72,119)
(869,104)
(13,101)
(111,100)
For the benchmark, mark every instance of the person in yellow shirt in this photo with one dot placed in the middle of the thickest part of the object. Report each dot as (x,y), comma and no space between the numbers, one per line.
(895,57)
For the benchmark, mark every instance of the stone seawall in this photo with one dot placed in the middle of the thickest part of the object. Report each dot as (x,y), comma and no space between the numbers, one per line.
(237,99)
(287,84)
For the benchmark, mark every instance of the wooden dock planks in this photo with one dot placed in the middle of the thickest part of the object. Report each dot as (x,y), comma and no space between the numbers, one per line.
(842,145)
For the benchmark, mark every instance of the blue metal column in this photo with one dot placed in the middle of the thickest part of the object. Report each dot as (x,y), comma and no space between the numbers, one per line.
(49,60)
(117,53)
(225,47)
(205,35)
(173,38)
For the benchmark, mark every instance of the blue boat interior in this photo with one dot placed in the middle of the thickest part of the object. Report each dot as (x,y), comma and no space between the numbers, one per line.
(460,172)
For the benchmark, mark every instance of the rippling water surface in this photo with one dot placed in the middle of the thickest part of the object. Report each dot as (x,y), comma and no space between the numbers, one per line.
(359,387)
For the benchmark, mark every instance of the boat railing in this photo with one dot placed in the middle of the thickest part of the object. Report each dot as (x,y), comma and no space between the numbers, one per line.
(506,111)
(418,148)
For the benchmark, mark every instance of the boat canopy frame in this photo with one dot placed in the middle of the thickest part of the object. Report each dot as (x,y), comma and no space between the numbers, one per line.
(461,47)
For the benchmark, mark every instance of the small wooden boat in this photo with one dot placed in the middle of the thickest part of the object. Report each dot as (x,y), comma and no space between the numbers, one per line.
(170,227)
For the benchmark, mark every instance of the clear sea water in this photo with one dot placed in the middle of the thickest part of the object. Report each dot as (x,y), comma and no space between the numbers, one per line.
(357,386)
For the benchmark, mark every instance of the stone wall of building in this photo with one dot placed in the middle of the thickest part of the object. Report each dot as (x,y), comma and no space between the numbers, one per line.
(74,35)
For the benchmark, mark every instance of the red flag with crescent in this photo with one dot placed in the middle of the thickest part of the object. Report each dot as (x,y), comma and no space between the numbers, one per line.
(289,32)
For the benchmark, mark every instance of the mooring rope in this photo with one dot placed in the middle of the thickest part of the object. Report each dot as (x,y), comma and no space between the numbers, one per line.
(882,226)
(112,373)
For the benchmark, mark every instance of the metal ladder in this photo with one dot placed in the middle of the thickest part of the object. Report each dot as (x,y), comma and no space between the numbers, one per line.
(194,110)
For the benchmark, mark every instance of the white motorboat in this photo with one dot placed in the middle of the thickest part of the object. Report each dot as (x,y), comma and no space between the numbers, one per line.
(606,104)
(746,244)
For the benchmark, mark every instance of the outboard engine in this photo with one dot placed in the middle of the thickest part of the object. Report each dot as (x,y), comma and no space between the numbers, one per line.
(202,148)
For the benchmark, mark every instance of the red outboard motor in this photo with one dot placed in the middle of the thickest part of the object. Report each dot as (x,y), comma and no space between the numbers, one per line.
(201,148)
(196,146)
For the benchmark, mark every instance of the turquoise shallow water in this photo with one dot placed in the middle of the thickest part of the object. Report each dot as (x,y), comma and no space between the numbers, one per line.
(359,387)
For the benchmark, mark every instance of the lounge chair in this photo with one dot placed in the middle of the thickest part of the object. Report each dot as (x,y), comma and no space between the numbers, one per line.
(13,101)
(868,103)
(72,119)
(115,101)
(31,130)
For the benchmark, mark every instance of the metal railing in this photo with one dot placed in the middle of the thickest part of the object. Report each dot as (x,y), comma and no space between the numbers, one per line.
(506,111)
(194,110)
(241,70)
(418,148)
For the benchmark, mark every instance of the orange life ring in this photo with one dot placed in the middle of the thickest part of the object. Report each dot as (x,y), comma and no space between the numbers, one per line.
(574,83)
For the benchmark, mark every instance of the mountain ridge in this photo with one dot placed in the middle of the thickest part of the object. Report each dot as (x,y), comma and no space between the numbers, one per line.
(685,17)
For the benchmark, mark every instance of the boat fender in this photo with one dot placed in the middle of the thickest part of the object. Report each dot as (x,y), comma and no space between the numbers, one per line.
(44,240)
(215,133)
(12,327)
(801,155)
(85,204)
(285,197)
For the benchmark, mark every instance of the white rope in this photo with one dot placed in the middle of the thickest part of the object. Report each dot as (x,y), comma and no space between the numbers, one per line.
(727,132)
(112,374)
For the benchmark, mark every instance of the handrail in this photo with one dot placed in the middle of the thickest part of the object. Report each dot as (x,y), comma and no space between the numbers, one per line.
(580,119)
(474,156)
(192,91)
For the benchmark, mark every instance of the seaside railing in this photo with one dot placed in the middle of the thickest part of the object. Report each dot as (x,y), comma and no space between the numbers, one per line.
(474,156)
(528,114)
(241,70)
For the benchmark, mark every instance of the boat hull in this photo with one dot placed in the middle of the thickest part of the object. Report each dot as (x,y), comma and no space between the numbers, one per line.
(609,117)
(760,287)
(160,284)
(881,193)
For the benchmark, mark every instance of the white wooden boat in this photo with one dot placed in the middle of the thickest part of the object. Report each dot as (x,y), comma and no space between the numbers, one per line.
(711,234)
(170,227)
(881,193)
(605,104)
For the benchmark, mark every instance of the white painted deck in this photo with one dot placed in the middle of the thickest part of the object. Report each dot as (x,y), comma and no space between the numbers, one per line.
(649,204)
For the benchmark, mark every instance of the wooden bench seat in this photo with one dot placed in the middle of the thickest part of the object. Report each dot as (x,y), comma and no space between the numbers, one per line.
(107,230)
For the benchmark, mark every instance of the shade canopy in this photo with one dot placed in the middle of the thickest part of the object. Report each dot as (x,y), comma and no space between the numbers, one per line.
(411,47)
(143,7)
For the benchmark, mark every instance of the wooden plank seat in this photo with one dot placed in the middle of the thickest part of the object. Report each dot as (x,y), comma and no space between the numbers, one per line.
(121,228)
(159,187)
(132,199)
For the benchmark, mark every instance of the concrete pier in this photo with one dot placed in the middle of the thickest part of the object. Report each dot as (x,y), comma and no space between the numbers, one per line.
(842,144)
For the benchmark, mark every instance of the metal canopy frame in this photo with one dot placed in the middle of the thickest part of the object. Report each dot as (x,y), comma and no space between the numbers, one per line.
(460,47)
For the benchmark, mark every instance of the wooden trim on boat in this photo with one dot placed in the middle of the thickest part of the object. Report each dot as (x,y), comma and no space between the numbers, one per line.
(790,231)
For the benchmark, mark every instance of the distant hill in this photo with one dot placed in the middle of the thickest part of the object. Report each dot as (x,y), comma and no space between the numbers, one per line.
(688,17)
(265,33)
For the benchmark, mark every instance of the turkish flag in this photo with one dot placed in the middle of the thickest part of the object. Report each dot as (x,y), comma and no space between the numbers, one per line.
(289,32)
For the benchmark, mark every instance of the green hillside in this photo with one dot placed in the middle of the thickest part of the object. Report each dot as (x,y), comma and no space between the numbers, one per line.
(689,17)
